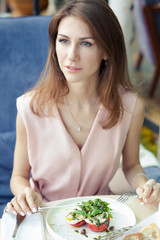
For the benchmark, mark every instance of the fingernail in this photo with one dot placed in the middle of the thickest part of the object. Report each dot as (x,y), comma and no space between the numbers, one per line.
(145,200)
(29,213)
(34,210)
(22,213)
(14,212)
(142,203)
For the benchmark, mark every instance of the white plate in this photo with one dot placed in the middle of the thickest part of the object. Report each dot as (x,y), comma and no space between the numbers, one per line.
(60,229)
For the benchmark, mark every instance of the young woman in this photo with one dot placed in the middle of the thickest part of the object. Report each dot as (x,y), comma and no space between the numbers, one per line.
(81,116)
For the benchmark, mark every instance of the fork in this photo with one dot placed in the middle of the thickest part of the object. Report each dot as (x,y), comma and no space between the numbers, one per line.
(19,219)
(123,198)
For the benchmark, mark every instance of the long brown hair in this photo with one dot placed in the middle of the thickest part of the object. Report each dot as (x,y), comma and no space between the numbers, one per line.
(108,33)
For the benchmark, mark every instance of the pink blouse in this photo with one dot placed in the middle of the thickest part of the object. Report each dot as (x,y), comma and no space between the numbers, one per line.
(58,168)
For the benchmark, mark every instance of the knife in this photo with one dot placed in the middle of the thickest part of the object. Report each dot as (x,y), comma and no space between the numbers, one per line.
(56,206)
(114,234)
(19,219)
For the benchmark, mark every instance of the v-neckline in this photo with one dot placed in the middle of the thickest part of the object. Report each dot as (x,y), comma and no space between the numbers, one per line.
(89,134)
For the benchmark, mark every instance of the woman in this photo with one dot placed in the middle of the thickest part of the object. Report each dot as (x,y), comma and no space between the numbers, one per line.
(81,116)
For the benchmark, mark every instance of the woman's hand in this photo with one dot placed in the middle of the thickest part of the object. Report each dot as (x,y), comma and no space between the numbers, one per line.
(25,202)
(149,192)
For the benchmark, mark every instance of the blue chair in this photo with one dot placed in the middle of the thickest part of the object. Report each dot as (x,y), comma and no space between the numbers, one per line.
(23,53)
(147,25)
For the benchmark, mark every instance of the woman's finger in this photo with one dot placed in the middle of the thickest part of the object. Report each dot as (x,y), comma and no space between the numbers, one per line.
(11,208)
(20,205)
(139,192)
(31,199)
(17,207)
(148,189)
(154,197)
(21,200)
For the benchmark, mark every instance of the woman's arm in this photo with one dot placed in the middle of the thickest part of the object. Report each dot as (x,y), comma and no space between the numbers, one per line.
(131,165)
(25,200)
(21,166)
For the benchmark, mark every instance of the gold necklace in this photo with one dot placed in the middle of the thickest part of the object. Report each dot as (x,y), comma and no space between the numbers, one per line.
(79,126)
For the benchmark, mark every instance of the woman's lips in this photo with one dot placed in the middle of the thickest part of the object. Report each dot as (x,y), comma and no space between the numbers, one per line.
(73,69)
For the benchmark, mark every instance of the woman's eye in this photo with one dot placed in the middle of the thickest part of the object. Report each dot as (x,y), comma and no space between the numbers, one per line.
(87,44)
(64,41)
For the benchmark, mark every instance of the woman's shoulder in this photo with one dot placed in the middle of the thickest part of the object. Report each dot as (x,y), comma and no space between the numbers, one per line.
(30,102)
(23,101)
(127,94)
(132,101)
(26,96)
(131,98)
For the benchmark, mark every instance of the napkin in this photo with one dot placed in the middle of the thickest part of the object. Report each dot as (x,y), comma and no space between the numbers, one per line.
(154,218)
(31,227)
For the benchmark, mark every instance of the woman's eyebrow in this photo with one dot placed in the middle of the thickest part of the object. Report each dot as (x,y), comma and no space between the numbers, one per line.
(82,38)
(62,35)
(88,37)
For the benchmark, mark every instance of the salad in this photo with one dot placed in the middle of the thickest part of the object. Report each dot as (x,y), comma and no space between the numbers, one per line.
(95,213)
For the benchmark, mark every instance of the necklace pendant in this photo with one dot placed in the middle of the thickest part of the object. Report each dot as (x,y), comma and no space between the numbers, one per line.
(79,128)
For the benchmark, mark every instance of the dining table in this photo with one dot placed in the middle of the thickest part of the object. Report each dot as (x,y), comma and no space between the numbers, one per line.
(141,211)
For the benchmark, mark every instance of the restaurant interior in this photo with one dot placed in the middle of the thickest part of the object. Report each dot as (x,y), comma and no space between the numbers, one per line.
(140,23)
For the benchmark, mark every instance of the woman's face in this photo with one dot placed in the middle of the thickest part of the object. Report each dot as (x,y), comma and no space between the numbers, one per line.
(78,53)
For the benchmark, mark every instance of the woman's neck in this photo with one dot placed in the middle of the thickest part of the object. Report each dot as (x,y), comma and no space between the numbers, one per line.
(82,95)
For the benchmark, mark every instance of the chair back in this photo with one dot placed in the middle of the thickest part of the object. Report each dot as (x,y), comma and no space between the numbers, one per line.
(23,53)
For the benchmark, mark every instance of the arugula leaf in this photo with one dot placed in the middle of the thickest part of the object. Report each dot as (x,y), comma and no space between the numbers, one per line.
(95,212)
(80,212)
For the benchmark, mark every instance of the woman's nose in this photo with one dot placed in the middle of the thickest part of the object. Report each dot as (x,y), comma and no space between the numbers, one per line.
(73,53)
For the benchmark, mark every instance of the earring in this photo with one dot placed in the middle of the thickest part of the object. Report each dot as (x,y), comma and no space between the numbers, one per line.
(105,62)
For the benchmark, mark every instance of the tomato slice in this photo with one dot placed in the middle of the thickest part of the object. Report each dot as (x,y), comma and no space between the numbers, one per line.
(79,224)
(94,228)
(102,227)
